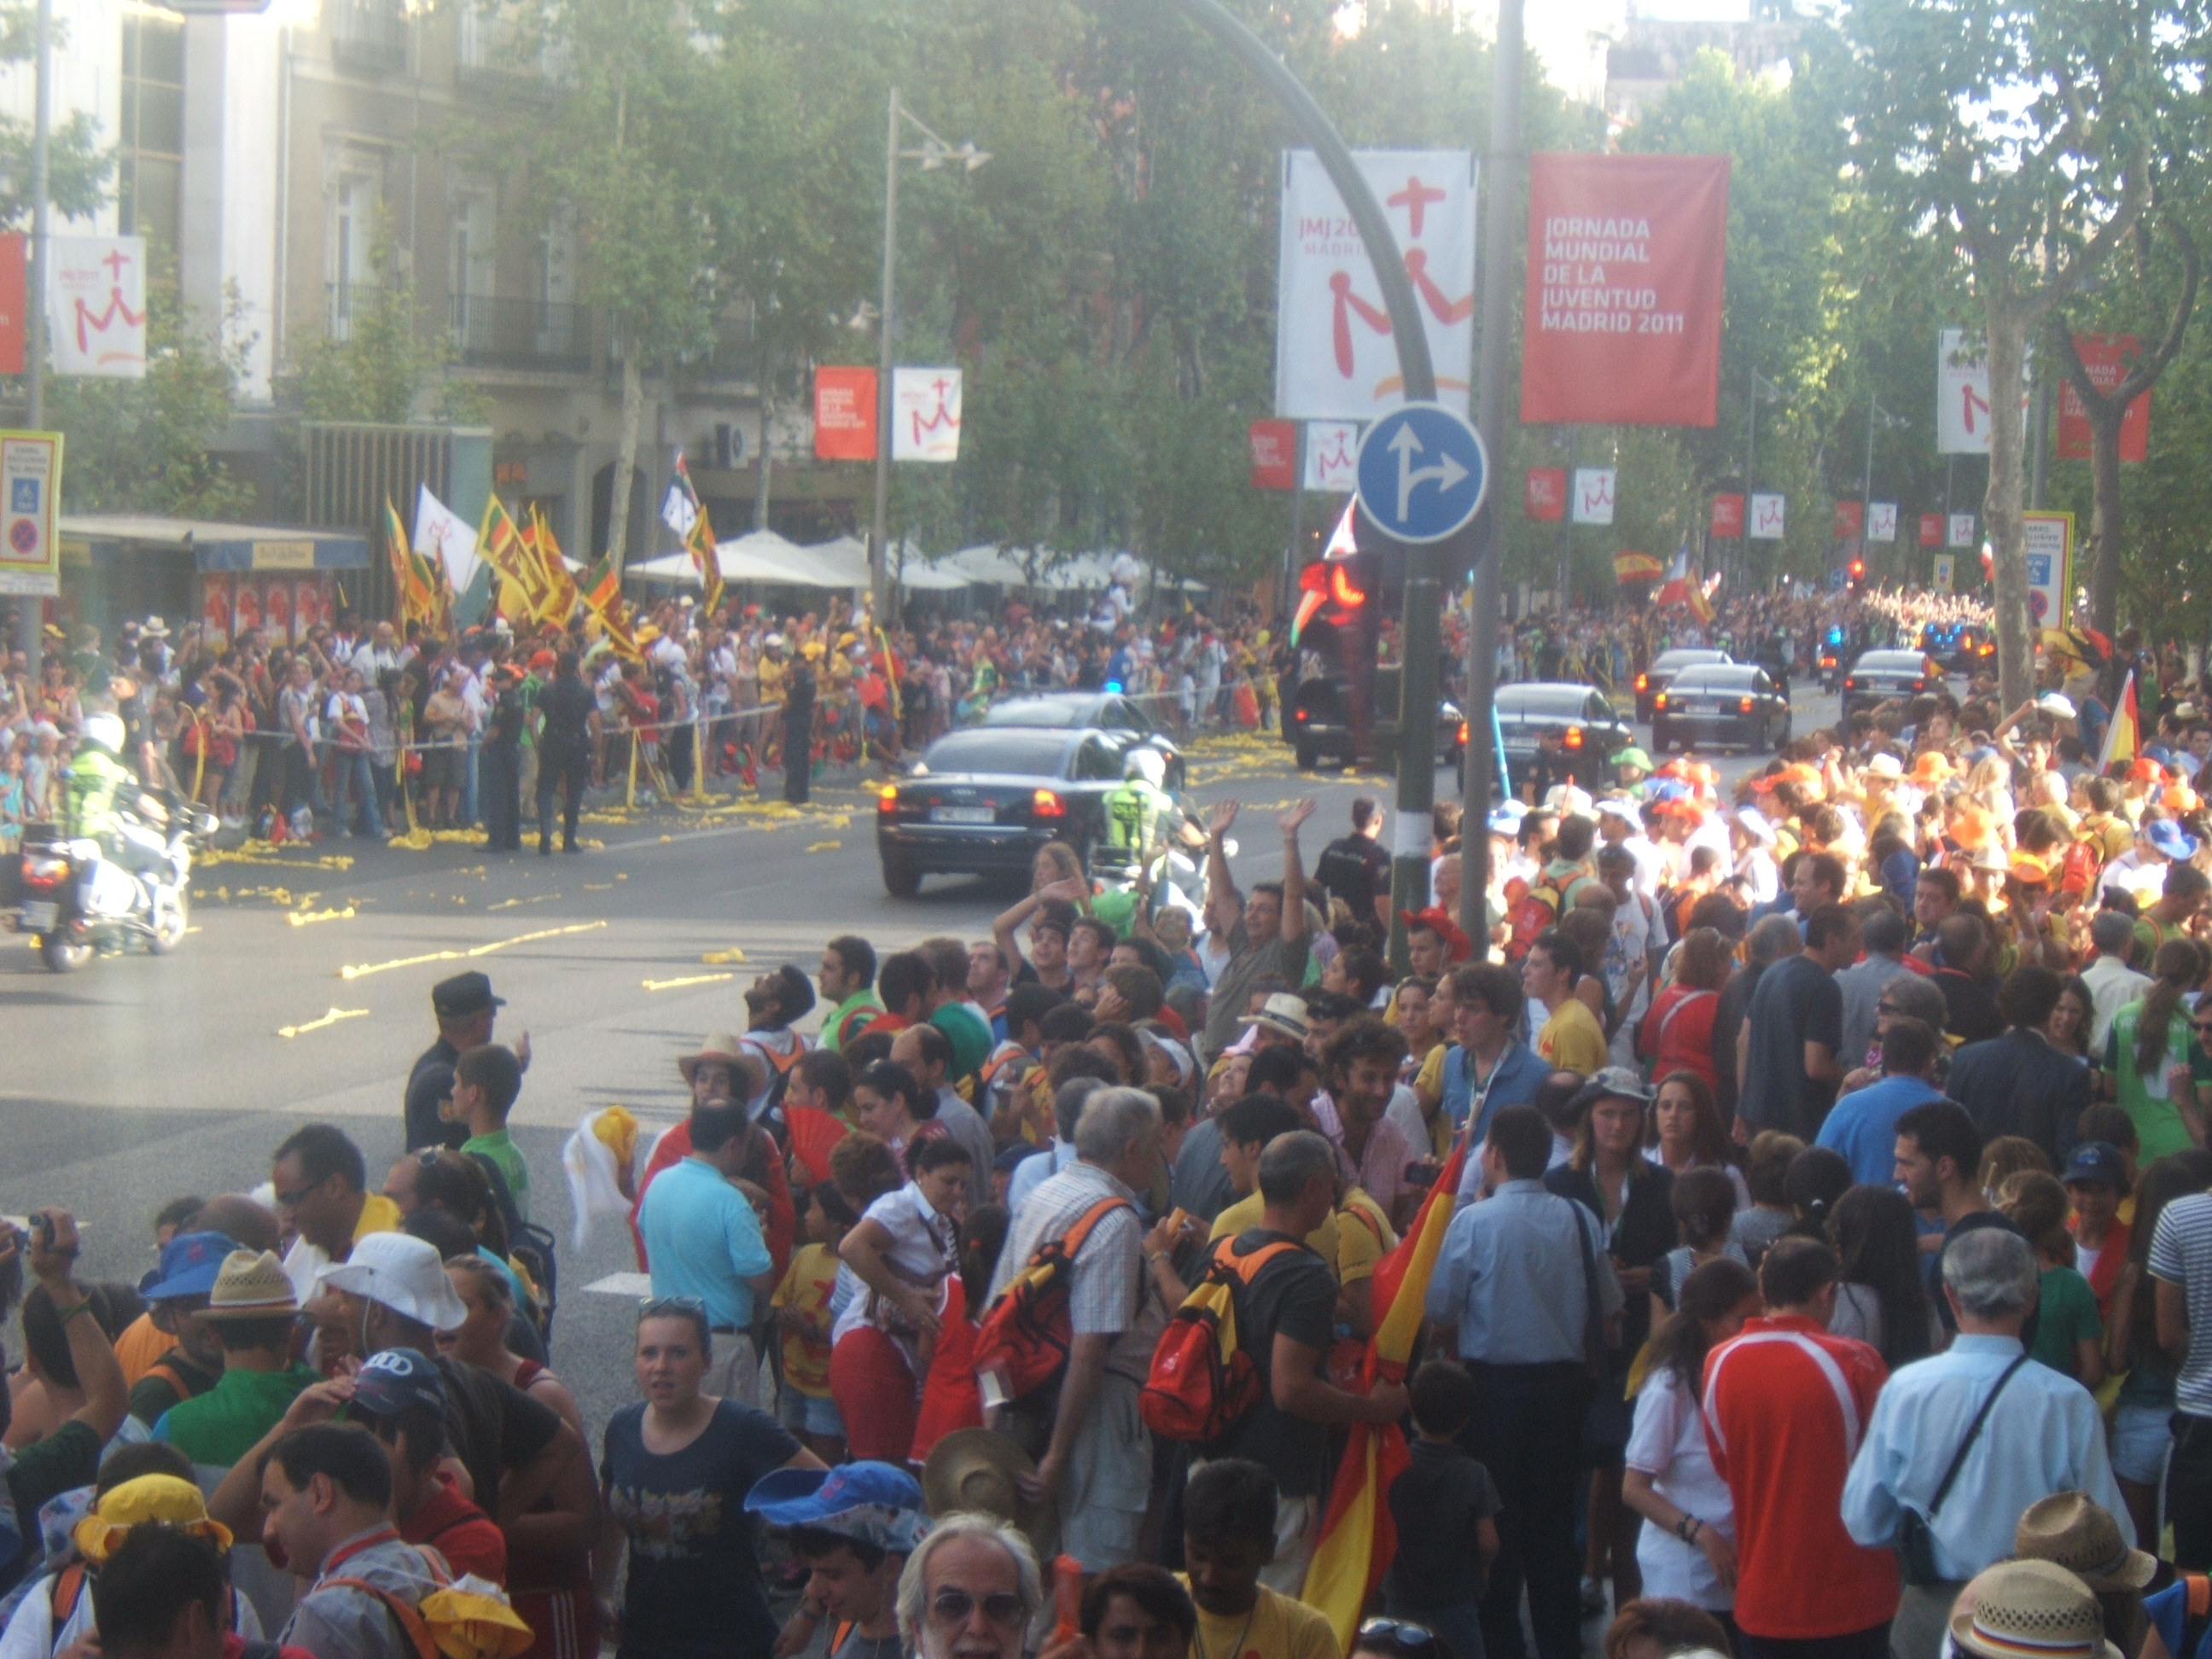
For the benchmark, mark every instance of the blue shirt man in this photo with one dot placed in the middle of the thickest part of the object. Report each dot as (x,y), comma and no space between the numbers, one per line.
(700,1233)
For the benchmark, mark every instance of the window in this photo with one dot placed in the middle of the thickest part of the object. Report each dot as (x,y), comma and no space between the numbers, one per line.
(1097,761)
(349,256)
(472,248)
(150,160)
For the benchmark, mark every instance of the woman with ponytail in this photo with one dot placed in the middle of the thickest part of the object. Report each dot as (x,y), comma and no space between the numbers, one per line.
(2147,1055)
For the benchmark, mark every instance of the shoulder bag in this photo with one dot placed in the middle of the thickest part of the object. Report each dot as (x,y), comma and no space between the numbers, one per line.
(1916,1538)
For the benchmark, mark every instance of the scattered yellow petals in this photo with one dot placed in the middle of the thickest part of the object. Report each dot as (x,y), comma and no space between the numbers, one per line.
(329,1018)
(689,979)
(364,969)
(301,918)
(732,954)
(509,904)
(525,938)
(825,846)
(591,887)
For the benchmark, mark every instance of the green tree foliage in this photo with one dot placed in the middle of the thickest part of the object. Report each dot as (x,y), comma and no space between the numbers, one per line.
(78,164)
(380,367)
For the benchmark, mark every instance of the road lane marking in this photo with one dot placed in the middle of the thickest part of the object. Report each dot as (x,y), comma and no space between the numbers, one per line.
(622,1284)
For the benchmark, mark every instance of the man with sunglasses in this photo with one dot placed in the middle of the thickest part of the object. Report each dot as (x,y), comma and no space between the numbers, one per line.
(969,1590)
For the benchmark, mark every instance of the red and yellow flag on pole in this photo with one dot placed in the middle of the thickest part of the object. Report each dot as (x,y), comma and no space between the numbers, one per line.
(2123,737)
(410,586)
(1357,1537)
(560,586)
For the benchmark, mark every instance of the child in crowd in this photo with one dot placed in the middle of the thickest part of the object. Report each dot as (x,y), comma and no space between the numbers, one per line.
(486,1081)
(2070,1336)
(2096,1181)
(801,1304)
(1766,1173)
(1703,1201)
(2005,1157)
(1445,1505)
(1228,1537)
(950,1397)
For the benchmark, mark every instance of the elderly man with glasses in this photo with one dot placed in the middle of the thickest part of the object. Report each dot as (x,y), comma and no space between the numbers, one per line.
(970,1587)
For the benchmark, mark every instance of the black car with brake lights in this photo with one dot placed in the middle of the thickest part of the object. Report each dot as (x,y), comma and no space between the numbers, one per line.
(1879,676)
(1664,667)
(1120,719)
(982,800)
(1720,705)
(1588,729)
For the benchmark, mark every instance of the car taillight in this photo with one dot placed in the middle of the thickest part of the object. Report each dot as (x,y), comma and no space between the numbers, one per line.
(1045,803)
(1849,684)
(1642,682)
(1659,701)
(887,798)
(1462,734)
(1745,705)
(1574,737)
(43,871)
(1300,717)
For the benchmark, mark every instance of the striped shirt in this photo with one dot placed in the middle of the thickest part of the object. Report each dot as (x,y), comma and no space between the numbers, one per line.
(2181,1254)
(1108,1292)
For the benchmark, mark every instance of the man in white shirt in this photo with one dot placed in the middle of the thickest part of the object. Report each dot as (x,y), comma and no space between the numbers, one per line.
(2112,983)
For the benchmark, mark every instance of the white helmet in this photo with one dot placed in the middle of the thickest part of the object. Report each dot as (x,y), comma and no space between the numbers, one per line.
(1145,763)
(106,731)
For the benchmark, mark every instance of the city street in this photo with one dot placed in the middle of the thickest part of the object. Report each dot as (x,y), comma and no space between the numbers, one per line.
(303,994)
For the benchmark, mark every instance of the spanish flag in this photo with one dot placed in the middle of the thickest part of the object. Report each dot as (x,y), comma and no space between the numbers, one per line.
(1357,1536)
(2123,737)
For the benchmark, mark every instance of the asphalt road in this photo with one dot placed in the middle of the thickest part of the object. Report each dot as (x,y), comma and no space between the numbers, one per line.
(302,994)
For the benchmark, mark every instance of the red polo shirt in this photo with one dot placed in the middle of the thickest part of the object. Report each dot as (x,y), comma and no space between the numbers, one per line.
(1786,1404)
(470,1540)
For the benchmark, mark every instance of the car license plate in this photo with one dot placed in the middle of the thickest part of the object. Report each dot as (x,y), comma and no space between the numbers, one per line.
(37,918)
(962,814)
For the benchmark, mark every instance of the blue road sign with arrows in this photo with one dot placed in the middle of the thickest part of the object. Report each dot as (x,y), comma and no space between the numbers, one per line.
(1422,472)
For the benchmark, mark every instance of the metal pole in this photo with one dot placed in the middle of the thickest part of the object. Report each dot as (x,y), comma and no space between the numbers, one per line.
(1866,484)
(1567,525)
(1288,603)
(2038,421)
(877,542)
(1418,632)
(1502,179)
(30,613)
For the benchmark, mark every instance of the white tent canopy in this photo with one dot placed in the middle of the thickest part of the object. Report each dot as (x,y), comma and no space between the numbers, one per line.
(758,555)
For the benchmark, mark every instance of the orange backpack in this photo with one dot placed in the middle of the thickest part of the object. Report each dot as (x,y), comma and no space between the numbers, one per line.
(1026,1336)
(1201,1380)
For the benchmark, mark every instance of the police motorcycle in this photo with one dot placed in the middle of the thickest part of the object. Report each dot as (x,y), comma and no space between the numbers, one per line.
(1832,658)
(1144,843)
(119,872)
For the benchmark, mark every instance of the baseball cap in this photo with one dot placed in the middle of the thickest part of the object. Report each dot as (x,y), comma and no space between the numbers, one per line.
(1618,806)
(868,1502)
(190,1263)
(464,993)
(389,1383)
(2098,1161)
(1632,756)
(2170,839)
(1621,1081)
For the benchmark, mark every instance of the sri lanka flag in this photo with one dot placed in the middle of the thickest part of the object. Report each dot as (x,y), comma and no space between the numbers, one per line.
(410,586)
(601,596)
(682,512)
(2123,737)
(1357,1537)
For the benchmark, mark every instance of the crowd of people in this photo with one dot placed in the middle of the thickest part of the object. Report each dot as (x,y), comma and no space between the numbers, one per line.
(1822,1264)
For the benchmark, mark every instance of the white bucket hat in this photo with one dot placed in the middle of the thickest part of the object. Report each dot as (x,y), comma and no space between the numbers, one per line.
(405,1274)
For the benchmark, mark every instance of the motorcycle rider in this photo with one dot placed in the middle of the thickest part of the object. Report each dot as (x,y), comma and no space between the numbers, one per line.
(1137,813)
(97,777)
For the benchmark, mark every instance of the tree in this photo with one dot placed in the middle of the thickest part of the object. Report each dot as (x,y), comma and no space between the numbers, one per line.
(78,165)
(2019,127)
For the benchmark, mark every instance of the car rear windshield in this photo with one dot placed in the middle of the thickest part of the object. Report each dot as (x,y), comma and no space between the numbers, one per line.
(1039,711)
(1013,752)
(1890,662)
(1684,658)
(1554,702)
(1731,675)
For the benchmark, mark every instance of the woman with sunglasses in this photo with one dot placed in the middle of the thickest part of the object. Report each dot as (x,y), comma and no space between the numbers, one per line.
(674,1474)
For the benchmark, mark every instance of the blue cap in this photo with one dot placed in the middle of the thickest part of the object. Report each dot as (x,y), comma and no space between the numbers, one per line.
(2098,1161)
(390,1382)
(190,1262)
(2170,839)
(870,1502)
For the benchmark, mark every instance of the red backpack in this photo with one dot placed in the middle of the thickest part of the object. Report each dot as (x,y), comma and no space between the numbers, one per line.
(1026,1336)
(1201,1379)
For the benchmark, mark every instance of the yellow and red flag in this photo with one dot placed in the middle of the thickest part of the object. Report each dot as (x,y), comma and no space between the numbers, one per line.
(601,597)
(2123,737)
(684,512)
(411,582)
(560,602)
(1357,1537)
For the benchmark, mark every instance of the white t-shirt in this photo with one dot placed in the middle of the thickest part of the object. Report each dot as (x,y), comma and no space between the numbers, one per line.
(924,1248)
(1667,1443)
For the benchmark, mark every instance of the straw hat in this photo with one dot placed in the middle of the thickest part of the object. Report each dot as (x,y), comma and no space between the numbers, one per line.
(2072,1530)
(2032,1610)
(975,1469)
(1282,1013)
(163,1498)
(251,1285)
(720,1046)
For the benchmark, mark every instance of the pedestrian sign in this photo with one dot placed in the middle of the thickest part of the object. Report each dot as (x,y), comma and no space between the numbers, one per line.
(1422,472)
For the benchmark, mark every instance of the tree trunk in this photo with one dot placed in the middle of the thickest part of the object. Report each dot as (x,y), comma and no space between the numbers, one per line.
(766,459)
(633,410)
(2104,421)
(2009,321)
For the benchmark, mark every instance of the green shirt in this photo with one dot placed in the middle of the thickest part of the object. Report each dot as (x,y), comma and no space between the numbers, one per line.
(154,1393)
(969,1036)
(833,1029)
(221,1426)
(499,1147)
(2065,1317)
(2148,1101)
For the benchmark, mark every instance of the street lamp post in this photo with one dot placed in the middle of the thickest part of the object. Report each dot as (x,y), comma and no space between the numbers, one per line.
(1876,415)
(29,640)
(935,152)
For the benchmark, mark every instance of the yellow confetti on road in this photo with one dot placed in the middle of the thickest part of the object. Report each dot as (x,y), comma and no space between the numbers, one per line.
(329,1018)
(301,918)
(509,904)
(364,969)
(825,846)
(732,954)
(592,887)
(689,979)
(262,852)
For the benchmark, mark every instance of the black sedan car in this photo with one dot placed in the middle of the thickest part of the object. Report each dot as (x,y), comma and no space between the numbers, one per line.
(1879,676)
(1588,730)
(1667,664)
(1721,704)
(1121,720)
(982,800)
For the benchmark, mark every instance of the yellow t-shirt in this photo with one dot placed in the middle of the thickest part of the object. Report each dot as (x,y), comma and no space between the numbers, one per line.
(804,1292)
(1245,1215)
(1572,1040)
(1362,1240)
(1276,1628)
(379,1214)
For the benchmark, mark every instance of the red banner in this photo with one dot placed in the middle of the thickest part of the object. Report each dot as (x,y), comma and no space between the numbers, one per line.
(15,302)
(1626,256)
(1274,454)
(1728,518)
(844,414)
(1931,530)
(1850,520)
(1544,496)
(2107,357)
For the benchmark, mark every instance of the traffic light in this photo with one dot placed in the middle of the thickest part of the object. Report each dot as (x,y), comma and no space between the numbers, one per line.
(1337,590)
(1858,572)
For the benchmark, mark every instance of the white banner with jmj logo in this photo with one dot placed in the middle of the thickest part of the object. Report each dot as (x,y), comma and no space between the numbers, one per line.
(926,415)
(96,306)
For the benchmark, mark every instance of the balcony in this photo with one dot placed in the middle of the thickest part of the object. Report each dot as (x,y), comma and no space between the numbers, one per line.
(520,334)
(368,37)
